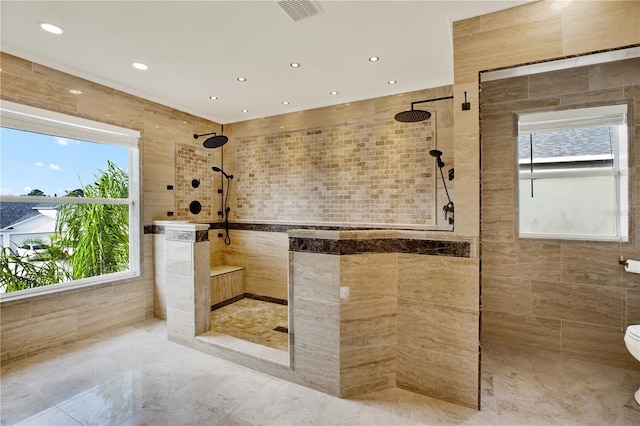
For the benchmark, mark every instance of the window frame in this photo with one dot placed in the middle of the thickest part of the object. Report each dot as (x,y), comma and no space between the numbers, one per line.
(615,114)
(36,120)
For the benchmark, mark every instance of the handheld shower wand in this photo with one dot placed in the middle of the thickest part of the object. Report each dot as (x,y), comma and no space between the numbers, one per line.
(218,169)
(448,208)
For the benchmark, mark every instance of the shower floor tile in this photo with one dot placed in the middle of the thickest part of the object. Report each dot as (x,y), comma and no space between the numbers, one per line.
(254,321)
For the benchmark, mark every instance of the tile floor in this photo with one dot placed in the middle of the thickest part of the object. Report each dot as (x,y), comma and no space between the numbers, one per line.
(253,320)
(134,376)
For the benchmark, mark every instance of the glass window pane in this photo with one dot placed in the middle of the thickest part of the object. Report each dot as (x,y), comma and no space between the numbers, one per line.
(38,164)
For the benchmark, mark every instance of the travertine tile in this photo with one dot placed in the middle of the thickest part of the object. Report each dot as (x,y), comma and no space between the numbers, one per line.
(583,303)
(593,26)
(227,286)
(596,343)
(505,90)
(317,323)
(367,369)
(107,314)
(369,276)
(368,324)
(522,260)
(438,280)
(443,376)
(591,264)
(554,83)
(632,306)
(16,311)
(511,295)
(523,330)
(26,337)
(316,276)
(317,367)
(438,328)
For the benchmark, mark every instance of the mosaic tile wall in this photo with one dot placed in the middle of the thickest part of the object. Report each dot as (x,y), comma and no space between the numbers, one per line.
(368,172)
(194,163)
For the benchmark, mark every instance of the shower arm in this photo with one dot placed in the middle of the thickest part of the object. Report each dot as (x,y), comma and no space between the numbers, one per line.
(430,100)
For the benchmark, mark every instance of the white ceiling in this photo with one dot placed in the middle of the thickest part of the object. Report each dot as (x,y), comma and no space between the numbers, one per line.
(197,49)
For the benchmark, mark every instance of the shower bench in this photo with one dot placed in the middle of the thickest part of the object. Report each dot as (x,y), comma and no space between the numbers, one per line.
(227,284)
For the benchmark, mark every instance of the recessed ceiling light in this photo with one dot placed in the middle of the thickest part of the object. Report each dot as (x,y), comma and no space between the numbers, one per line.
(75,91)
(213,98)
(50,28)
(333,93)
(241,79)
(391,82)
(140,66)
(245,110)
(285,103)
(294,65)
(374,59)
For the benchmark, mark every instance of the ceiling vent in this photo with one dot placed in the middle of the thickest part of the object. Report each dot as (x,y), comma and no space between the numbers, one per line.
(300,9)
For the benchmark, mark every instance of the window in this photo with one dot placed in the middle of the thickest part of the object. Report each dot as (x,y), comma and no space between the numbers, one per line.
(73,185)
(573,174)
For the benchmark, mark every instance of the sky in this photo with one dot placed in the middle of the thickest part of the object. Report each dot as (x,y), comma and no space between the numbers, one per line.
(52,164)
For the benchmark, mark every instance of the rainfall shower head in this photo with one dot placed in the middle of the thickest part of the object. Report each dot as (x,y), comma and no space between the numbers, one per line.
(412,116)
(438,155)
(215,141)
(416,115)
(218,169)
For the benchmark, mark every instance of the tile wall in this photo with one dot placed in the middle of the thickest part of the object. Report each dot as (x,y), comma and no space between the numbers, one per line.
(369,171)
(570,298)
(346,164)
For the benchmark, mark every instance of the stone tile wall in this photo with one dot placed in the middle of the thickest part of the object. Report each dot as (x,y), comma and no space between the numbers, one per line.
(567,297)
(375,171)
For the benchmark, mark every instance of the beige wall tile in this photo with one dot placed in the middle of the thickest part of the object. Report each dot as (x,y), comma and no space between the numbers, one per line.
(522,260)
(439,375)
(572,80)
(227,286)
(113,312)
(438,328)
(531,332)
(368,324)
(596,343)
(632,306)
(316,323)
(317,367)
(583,303)
(367,370)
(22,338)
(438,280)
(511,295)
(16,311)
(369,277)
(595,264)
(592,26)
(316,277)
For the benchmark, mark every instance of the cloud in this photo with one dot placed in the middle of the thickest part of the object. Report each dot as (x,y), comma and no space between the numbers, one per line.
(27,189)
(39,163)
(63,141)
(53,166)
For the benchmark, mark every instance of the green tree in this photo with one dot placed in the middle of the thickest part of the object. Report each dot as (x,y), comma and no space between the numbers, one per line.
(98,232)
(36,193)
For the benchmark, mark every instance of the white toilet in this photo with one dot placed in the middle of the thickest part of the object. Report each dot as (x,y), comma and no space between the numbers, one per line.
(632,341)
